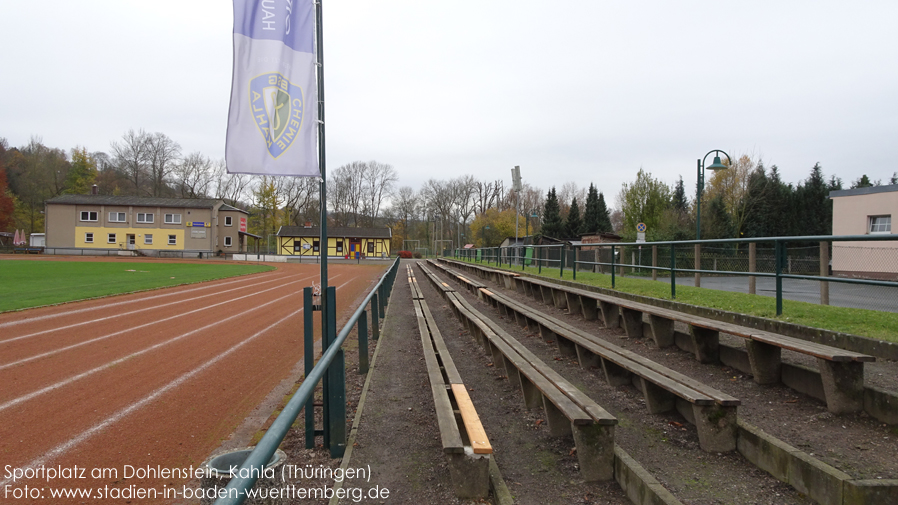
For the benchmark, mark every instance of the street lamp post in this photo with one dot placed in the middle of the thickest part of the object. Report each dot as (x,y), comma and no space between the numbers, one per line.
(715,166)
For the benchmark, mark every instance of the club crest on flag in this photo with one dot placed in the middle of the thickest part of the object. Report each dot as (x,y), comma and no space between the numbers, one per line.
(277,107)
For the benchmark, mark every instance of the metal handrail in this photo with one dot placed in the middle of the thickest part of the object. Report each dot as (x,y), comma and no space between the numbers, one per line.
(779,255)
(273,437)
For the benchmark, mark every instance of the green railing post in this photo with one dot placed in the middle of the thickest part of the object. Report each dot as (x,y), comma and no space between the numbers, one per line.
(574,264)
(673,272)
(612,267)
(336,402)
(309,355)
(561,263)
(363,343)
(375,318)
(778,248)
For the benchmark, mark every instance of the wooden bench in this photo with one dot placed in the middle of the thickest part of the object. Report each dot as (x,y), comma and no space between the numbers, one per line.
(711,411)
(841,371)
(568,410)
(494,274)
(462,435)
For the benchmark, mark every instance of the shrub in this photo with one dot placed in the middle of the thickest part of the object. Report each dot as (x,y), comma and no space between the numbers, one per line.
(417,255)
(405,254)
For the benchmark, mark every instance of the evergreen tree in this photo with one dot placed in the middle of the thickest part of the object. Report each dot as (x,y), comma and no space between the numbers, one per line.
(574,223)
(863,182)
(894,179)
(552,225)
(719,224)
(591,215)
(604,216)
(816,210)
(680,203)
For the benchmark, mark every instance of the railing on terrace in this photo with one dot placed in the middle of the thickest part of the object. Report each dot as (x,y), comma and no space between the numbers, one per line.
(330,367)
(805,263)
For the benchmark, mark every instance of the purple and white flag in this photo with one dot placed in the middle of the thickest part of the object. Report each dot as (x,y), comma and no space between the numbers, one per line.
(273,118)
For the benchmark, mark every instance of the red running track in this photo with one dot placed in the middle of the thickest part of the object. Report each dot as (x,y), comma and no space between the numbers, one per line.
(155,379)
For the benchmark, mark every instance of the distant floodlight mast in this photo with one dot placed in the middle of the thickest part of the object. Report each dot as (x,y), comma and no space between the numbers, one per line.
(517,187)
(715,166)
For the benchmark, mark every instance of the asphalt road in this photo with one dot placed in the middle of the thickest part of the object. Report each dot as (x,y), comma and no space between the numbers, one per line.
(840,294)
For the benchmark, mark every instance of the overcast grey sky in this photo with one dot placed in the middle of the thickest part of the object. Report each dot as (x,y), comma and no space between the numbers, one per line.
(582,91)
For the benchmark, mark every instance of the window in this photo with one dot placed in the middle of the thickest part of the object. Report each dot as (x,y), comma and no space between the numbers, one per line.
(297,247)
(229,221)
(227,241)
(316,245)
(148,239)
(370,247)
(88,215)
(110,239)
(116,217)
(172,240)
(144,218)
(881,224)
(339,246)
(89,238)
(173,219)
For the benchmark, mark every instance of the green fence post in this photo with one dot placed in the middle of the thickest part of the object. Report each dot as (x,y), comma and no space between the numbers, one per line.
(336,404)
(778,248)
(375,318)
(574,265)
(539,260)
(673,272)
(309,355)
(363,342)
(612,267)
(561,263)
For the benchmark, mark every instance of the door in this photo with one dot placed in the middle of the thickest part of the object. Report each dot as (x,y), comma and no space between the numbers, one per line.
(130,241)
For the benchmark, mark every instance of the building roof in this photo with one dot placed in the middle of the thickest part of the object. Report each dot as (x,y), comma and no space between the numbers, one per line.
(863,191)
(225,206)
(314,231)
(136,201)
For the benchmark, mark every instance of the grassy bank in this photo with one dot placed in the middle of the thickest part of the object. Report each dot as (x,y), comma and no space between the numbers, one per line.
(867,323)
(26,283)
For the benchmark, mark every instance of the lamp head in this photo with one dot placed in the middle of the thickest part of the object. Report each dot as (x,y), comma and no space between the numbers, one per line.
(717,165)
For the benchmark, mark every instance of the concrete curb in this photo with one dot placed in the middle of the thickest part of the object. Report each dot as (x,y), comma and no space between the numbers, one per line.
(501,494)
(821,482)
(639,485)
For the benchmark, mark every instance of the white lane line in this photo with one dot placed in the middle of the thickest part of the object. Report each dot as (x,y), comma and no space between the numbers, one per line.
(62,448)
(206,285)
(79,344)
(154,307)
(65,382)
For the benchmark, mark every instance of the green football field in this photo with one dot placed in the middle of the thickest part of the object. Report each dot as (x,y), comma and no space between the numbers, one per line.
(28,283)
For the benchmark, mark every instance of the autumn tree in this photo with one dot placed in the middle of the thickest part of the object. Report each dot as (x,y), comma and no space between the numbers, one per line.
(490,228)
(162,156)
(643,201)
(83,174)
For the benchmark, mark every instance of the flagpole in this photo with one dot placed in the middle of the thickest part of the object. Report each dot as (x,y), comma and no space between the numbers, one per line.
(322,166)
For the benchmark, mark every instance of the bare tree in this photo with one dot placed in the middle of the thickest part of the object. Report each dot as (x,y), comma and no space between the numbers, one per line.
(301,198)
(378,180)
(406,206)
(231,188)
(345,190)
(488,195)
(193,176)
(130,156)
(566,195)
(162,155)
